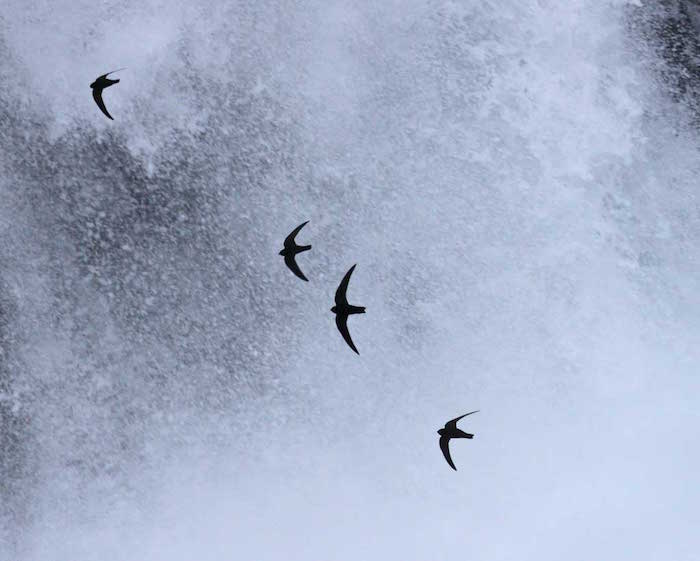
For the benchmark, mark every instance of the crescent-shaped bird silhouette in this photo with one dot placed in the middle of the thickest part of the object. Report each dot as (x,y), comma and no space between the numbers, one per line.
(100,84)
(291,249)
(343,310)
(451,431)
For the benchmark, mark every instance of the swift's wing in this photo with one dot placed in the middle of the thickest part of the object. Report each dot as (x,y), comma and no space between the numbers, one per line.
(452,425)
(341,320)
(289,240)
(341,298)
(290,261)
(445,447)
(97,95)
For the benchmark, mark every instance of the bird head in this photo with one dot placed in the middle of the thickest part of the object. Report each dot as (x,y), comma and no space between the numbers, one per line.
(333,309)
(441,432)
(281,252)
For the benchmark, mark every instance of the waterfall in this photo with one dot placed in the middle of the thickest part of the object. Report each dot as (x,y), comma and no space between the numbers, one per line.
(517,183)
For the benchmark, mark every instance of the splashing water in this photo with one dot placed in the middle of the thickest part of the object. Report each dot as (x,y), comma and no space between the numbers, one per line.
(517,183)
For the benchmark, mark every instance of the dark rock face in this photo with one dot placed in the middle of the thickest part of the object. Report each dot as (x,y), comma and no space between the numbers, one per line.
(13,421)
(672,29)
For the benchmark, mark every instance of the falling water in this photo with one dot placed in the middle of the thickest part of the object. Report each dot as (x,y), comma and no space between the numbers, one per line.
(517,182)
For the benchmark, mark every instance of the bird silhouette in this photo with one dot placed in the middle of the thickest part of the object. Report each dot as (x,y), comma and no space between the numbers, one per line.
(342,309)
(451,431)
(100,84)
(291,249)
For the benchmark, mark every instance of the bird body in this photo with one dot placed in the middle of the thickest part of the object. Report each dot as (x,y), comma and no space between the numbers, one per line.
(343,309)
(449,432)
(291,250)
(98,86)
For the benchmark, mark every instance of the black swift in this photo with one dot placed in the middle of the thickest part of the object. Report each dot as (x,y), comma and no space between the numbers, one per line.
(342,309)
(100,84)
(291,249)
(451,431)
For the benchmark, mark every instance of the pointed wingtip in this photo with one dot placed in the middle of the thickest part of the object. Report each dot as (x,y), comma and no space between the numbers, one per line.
(351,343)
(350,271)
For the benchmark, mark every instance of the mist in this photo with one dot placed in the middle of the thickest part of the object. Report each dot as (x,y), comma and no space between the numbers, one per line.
(517,183)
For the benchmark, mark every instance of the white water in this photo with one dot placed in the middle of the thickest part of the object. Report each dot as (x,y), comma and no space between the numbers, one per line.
(520,197)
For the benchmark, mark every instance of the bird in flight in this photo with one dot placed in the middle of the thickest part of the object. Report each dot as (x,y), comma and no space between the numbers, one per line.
(100,84)
(291,249)
(451,431)
(342,309)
